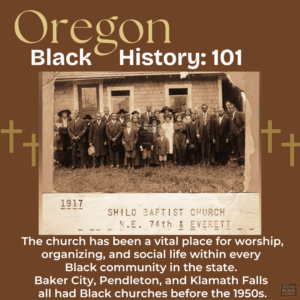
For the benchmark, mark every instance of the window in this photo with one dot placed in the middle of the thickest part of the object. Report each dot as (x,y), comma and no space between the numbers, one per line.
(120,97)
(88,99)
(178,96)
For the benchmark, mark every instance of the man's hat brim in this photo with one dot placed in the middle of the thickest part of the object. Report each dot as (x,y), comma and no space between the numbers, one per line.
(115,146)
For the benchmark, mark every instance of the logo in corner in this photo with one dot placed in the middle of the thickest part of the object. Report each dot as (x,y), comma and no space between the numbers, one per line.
(288,290)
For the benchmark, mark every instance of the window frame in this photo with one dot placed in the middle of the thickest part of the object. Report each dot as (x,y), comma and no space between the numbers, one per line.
(120,88)
(187,86)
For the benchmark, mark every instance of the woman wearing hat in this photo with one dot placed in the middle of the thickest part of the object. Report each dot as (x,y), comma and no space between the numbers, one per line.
(62,139)
(137,114)
(168,127)
(166,110)
(154,130)
(180,129)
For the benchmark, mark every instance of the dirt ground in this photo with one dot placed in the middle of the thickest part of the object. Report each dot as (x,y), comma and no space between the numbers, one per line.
(173,179)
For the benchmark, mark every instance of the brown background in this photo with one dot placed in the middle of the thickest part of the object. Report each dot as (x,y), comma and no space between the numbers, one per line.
(267,34)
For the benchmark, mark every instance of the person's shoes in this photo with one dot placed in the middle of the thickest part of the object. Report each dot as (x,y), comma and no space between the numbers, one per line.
(73,167)
(128,167)
(111,166)
(84,167)
(118,167)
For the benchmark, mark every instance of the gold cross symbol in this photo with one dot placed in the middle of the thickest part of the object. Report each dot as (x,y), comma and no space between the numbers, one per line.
(33,146)
(11,131)
(292,146)
(270,132)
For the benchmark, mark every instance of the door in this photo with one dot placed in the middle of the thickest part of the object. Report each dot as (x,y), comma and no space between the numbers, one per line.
(88,99)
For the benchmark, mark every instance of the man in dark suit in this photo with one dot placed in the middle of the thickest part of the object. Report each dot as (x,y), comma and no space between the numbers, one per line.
(88,121)
(97,138)
(192,139)
(237,133)
(214,119)
(220,136)
(107,117)
(203,133)
(146,116)
(114,133)
(76,131)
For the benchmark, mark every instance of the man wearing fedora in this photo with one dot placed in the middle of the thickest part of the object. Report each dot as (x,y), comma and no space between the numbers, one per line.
(62,139)
(146,116)
(98,139)
(76,131)
(114,133)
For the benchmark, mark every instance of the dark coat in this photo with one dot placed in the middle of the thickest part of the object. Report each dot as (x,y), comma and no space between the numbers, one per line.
(113,131)
(162,146)
(227,113)
(154,156)
(130,139)
(192,133)
(200,124)
(87,130)
(77,129)
(220,133)
(144,116)
(97,137)
(103,118)
(239,120)
(124,124)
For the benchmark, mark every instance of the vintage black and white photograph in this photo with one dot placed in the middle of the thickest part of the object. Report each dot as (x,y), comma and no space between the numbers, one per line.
(148,132)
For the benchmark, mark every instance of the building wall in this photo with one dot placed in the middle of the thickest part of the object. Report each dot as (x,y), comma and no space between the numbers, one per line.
(146,91)
(63,98)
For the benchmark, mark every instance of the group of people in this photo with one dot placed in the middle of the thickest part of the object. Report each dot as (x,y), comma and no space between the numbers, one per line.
(151,138)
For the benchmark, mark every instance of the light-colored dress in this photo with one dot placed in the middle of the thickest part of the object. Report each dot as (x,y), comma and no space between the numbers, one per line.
(169,132)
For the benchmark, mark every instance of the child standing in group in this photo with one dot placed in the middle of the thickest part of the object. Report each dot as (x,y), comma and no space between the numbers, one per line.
(162,148)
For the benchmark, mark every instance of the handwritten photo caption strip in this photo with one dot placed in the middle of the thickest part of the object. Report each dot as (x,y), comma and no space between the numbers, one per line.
(205,214)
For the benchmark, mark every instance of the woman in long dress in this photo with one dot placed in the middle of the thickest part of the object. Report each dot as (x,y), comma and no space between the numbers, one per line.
(62,139)
(180,129)
(168,128)
(154,131)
